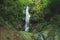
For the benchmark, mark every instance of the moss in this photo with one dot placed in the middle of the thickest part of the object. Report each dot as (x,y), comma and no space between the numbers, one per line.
(7,37)
(26,35)
(31,36)
(56,37)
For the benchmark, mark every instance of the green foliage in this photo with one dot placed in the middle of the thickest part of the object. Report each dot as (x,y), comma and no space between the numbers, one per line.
(25,2)
(8,37)
(26,35)
(46,14)
(38,7)
(13,10)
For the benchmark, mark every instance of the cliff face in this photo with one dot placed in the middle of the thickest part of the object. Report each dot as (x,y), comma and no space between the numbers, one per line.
(8,34)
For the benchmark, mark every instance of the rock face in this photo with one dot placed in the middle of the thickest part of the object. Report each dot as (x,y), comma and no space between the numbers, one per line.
(7,34)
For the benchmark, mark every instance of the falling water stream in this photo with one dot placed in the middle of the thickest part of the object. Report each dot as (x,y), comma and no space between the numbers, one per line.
(27,18)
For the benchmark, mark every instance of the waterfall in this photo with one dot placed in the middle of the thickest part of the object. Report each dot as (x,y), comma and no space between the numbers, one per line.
(27,18)
(42,36)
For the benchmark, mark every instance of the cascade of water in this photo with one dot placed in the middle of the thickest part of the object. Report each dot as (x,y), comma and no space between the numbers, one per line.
(42,36)
(27,19)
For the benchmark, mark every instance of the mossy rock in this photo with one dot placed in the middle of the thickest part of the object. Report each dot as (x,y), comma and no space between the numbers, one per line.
(26,35)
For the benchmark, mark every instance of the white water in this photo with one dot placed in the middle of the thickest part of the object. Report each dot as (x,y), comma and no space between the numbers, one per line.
(42,36)
(27,18)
